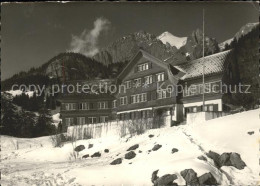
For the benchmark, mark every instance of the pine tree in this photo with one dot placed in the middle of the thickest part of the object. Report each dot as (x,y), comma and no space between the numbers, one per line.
(9,118)
(44,125)
(27,121)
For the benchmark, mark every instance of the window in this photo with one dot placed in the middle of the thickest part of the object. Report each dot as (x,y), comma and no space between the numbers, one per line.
(139,98)
(137,82)
(194,109)
(83,106)
(144,97)
(210,107)
(128,84)
(161,94)
(148,79)
(70,106)
(103,119)
(80,120)
(143,114)
(114,104)
(143,67)
(69,121)
(92,120)
(123,100)
(102,105)
(160,77)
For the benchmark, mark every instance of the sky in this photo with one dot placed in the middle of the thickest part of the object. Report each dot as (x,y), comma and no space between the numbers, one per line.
(33,33)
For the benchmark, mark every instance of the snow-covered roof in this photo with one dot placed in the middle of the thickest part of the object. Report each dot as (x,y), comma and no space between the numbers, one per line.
(213,64)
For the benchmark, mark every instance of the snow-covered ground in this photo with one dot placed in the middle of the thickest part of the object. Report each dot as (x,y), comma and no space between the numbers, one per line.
(19,92)
(37,162)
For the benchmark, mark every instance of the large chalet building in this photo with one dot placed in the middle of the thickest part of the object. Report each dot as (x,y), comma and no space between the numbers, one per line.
(220,75)
(150,88)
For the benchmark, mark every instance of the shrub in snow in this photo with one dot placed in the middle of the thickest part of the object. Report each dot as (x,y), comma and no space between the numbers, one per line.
(79,148)
(174,150)
(166,179)
(106,151)
(133,147)
(190,177)
(207,179)
(85,156)
(58,140)
(156,147)
(90,146)
(96,154)
(130,155)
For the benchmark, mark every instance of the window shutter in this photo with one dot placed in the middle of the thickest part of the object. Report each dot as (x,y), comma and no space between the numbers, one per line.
(148,96)
(63,106)
(150,65)
(165,75)
(215,107)
(154,78)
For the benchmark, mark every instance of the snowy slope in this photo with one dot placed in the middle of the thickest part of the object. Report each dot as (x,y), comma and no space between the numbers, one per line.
(167,37)
(48,165)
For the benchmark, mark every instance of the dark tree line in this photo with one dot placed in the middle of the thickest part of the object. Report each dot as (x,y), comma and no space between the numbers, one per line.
(247,56)
(21,123)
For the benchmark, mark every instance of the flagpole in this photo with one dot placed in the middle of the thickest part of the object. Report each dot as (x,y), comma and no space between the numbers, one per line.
(203,73)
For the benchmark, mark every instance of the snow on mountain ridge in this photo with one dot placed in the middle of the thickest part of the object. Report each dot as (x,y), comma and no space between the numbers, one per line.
(167,37)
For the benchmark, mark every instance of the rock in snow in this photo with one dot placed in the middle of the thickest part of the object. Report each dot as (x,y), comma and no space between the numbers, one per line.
(166,179)
(96,154)
(232,159)
(207,179)
(215,157)
(203,158)
(130,155)
(190,176)
(79,148)
(151,135)
(116,161)
(85,156)
(106,150)
(156,147)
(174,150)
(154,176)
(227,159)
(133,147)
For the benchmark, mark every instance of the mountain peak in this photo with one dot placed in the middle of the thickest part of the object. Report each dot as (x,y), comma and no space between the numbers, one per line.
(167,37)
